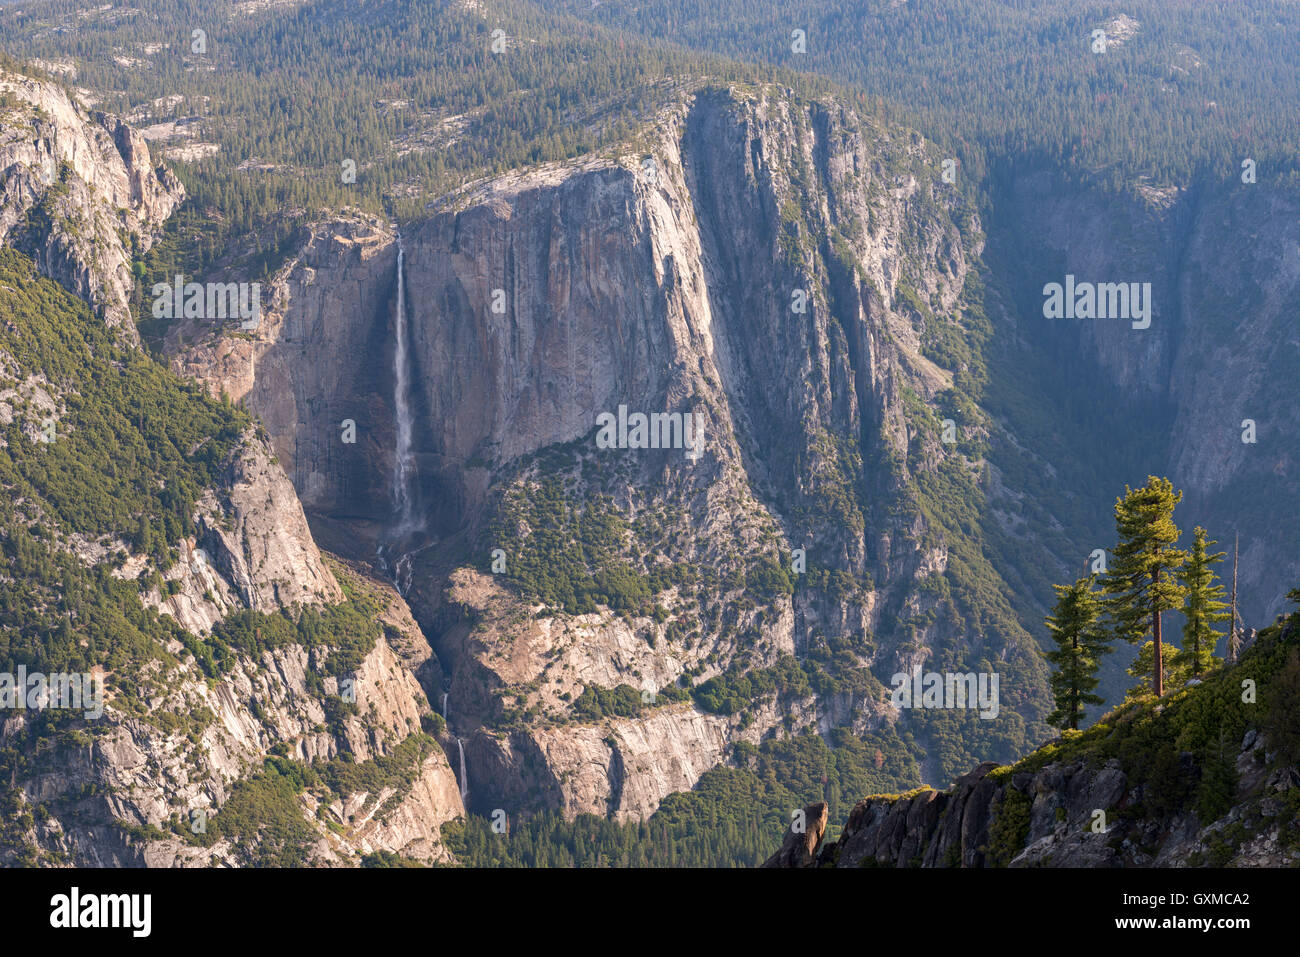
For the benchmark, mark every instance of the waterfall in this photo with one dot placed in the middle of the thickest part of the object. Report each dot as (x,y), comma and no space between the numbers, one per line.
(444,706)
(402,574)
(395,552)
(402,466)
(464,784)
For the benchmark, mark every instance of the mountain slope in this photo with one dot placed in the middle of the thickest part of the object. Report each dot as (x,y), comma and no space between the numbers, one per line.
(243,700)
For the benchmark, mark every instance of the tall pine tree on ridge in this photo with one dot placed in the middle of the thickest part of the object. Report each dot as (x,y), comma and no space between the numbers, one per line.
(1142,581)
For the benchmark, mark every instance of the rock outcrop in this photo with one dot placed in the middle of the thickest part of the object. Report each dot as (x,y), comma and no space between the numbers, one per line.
(802,839)
(80,194)
(1064,815)
(258,536)
(1165,784)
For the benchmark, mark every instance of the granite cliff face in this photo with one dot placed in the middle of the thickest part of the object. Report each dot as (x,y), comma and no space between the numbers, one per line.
(321,357)
(787,269)
(79,194)
(798,279)
(772,265)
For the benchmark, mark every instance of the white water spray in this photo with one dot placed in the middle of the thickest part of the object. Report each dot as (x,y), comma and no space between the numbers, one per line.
(444,706)
(403,465)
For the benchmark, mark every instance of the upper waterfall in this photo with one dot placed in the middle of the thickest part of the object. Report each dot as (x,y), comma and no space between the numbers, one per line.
(403,467)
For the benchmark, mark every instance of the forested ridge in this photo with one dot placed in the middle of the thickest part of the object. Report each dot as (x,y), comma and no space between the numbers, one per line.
(1183,90)
(419,98)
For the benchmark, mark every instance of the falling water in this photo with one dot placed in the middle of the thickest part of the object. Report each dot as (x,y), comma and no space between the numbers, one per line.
(402,573)
(444,706)
(401,394)
(464,785)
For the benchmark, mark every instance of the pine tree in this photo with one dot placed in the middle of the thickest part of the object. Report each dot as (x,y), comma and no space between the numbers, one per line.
(1204,607)
(1142,582)
(1080,639)
(1144,668)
